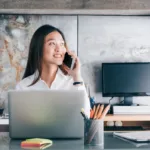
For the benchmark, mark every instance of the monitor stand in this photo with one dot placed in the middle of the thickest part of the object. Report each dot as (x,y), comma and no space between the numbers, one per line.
(127,101)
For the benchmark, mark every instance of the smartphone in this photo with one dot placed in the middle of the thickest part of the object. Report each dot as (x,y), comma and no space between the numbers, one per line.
(69,61)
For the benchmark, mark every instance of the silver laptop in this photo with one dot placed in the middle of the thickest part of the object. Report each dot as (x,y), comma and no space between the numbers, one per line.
(46,114)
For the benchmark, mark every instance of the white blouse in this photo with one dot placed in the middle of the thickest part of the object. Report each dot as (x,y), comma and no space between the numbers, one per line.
(61,81)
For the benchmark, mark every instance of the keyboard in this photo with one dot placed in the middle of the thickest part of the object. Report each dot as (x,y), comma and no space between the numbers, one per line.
(123,128)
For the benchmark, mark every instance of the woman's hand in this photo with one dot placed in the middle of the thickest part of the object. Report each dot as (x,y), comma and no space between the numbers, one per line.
(75,72)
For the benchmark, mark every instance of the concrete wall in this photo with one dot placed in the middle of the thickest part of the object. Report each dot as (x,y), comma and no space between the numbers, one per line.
(92,7)
(111,39)
(96,38)
(15,34)
(75,4)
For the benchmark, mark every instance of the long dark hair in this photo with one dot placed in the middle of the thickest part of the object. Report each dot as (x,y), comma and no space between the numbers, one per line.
(36,50)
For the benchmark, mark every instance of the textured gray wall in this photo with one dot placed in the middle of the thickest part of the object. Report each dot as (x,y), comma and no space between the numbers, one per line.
(111,39)
(98,39)
(15,34)
(75,4)
(97,7)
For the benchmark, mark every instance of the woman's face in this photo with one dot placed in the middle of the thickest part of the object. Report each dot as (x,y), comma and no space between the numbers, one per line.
(54,48)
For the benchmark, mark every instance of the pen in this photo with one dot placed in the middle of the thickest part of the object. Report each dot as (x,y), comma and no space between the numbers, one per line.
(100,111)
(105,112)
(91,114)
(96,111)
(92,101)
(83,114)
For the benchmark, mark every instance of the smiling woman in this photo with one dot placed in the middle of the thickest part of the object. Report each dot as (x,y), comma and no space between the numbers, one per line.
(45,68)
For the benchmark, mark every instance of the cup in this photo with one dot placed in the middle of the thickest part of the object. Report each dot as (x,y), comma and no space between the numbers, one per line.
(94,132)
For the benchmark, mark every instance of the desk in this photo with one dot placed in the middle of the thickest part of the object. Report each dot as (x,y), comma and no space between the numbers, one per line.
(111,117)
(4,123)
(107,118)
(111,143)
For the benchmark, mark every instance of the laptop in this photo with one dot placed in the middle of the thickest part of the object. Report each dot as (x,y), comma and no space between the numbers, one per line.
(46,114)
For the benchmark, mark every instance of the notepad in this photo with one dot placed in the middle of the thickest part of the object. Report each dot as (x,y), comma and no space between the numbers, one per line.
(36,143)
(136,136)
(136,144)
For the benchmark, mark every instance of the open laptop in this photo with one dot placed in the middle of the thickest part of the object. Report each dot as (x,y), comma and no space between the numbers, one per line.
(46,114)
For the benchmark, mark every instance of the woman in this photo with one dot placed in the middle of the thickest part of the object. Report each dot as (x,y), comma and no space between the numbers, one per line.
(45,68)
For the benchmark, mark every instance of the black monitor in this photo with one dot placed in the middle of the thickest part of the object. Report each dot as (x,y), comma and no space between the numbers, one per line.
(126,80)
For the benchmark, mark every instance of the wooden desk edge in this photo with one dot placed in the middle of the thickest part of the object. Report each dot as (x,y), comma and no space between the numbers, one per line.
(127,118)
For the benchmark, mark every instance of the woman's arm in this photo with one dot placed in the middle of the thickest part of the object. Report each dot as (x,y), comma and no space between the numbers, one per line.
(82,87)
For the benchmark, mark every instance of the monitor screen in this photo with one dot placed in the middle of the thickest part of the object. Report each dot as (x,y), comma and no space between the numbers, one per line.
(125,79)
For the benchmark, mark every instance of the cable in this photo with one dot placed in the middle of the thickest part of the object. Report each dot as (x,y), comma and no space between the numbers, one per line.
(110,100)
(110,104)
(121,102)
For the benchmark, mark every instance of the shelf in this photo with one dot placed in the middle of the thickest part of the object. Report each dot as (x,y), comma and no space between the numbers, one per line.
(4,121)
(127,118)
(107,118)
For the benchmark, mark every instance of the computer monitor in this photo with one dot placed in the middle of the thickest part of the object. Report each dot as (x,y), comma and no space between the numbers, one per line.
(126,80)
